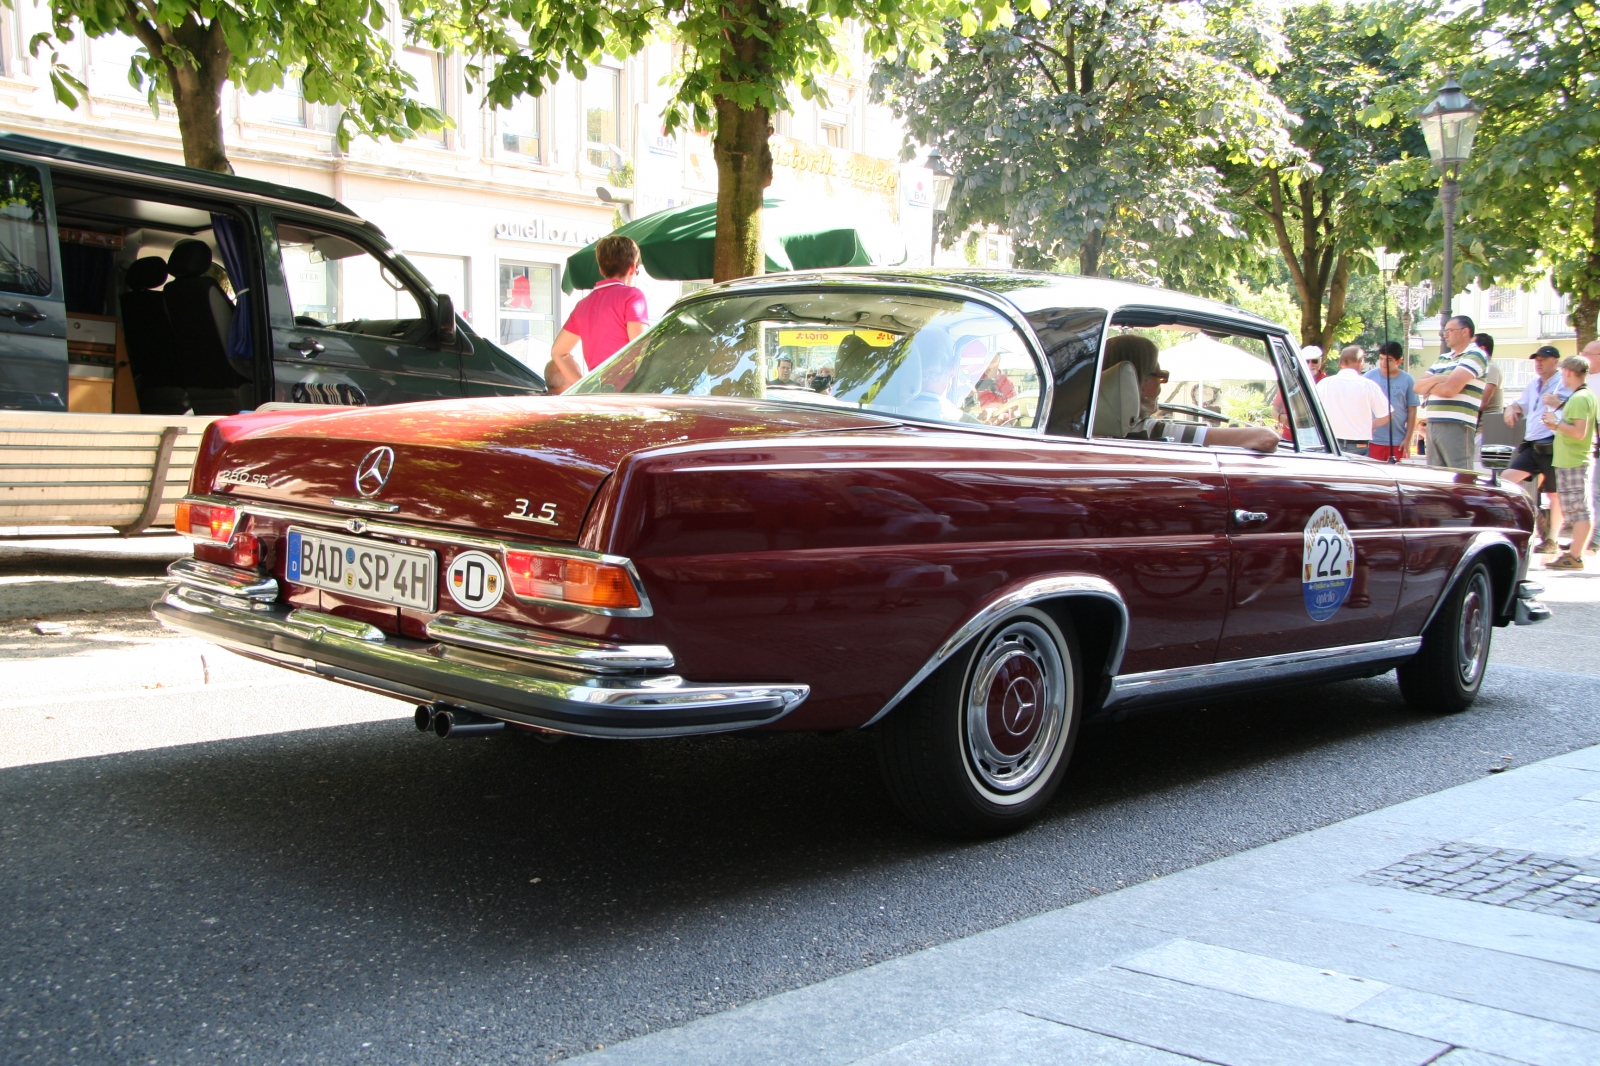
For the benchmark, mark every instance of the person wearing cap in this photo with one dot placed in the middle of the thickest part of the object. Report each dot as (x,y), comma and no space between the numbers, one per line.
(1453,388)
(1391,441)
(1533,465)
(1573,423)
(1354,405)
(1313,358)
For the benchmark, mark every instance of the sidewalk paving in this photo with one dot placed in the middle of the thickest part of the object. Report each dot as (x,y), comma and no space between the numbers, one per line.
(1460,929)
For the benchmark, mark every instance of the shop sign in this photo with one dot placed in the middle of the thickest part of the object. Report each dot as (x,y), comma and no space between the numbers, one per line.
(542,230)
(664,145)
(862,170)
(832,338)
(919,191)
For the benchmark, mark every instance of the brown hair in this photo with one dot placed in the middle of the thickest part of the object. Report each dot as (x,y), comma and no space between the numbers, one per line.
(1575,363)
(616,255)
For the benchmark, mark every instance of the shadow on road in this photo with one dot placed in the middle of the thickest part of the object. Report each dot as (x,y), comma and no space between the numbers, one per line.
(320,890)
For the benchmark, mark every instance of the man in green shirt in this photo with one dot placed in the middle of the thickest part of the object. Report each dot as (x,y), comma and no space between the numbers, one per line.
(1453,393)
(1574,424)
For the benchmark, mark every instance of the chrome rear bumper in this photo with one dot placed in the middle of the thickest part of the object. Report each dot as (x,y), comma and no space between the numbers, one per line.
(538,678)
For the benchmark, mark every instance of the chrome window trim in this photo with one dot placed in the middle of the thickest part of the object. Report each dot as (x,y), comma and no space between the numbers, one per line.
(1047,588)
(500,545)
(845,283)
(1157,686)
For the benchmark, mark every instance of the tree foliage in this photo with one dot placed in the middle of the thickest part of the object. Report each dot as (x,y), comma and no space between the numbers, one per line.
(1096,132)
(738,62)
(1366,185)
(1531,190)
(192,48)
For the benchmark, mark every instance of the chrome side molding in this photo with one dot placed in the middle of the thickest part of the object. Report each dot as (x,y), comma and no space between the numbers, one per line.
(1185,682)
(545,646)
(1046,588)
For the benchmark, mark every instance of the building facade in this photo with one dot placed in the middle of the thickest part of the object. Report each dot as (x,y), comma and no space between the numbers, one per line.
(490,209)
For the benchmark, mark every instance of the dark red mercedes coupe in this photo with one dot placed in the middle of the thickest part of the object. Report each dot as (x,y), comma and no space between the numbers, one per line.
(964,510)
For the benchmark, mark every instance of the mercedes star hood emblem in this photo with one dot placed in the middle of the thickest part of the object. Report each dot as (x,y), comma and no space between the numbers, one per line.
(374,470)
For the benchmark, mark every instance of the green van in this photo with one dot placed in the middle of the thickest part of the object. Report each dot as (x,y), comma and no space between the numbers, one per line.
(131,285)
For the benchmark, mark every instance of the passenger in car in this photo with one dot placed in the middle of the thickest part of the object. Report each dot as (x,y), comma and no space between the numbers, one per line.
(1142,353)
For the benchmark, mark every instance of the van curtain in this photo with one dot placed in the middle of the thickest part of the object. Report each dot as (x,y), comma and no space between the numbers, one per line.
(229,233)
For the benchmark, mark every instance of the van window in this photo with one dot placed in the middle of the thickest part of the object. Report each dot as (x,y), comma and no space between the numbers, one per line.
(24,240)
(336,283)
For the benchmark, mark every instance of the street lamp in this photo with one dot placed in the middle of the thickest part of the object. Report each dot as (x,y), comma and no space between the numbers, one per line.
(1388,263)
(1448,125)
(943,182)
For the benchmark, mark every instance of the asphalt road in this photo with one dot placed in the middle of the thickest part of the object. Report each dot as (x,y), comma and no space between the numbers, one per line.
(363,893)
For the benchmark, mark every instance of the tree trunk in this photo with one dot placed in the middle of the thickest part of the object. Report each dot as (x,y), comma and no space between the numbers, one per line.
(744,170)
(1587,307)
(1338,289)
(197,80)
(1089,252)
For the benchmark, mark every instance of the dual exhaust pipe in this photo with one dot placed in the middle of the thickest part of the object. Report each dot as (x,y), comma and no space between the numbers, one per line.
(446,722)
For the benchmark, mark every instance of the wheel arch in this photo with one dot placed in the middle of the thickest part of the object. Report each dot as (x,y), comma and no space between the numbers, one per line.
(1496,551)
(1090,605)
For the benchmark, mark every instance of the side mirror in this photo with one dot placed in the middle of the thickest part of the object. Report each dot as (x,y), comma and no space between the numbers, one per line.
(444,321)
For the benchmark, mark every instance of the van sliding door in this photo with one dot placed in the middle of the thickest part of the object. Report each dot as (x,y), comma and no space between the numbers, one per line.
(33,313)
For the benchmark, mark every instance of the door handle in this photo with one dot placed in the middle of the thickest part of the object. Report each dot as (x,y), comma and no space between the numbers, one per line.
(23,314)
(306,346)
(1241,517)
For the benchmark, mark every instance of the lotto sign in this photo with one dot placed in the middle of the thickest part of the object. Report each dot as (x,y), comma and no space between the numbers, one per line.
(475,581)
(1328,564)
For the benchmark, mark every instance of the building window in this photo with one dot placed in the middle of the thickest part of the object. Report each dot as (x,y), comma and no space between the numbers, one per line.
(521,129)
(110,58)
(527,295)
(428,68)
(602,108)
(835,129)
(448,274)
(1501,303)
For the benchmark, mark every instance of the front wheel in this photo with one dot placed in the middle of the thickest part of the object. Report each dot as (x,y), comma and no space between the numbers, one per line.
(1448,672)
(980,747)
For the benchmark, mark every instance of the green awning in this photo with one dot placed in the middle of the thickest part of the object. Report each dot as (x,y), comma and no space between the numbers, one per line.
(677,245)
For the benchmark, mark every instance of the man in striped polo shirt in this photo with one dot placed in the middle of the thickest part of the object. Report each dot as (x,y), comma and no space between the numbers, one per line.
(1453,393)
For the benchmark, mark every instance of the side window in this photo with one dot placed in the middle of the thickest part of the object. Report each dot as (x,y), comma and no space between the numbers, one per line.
(1295,405)
(24,231)
(1070,337)
(335,283)
(1178,382)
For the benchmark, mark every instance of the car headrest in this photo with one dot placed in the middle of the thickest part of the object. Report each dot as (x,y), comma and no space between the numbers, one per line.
(147,272)
(1118,408)
(189,259)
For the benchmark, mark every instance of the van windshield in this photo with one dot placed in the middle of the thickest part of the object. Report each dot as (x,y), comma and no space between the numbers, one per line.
(910,355)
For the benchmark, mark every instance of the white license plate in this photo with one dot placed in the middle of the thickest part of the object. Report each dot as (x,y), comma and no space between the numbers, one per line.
(368,569)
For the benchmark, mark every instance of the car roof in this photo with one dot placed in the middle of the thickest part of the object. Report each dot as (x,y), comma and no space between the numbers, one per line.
(1027,290)
(169,172)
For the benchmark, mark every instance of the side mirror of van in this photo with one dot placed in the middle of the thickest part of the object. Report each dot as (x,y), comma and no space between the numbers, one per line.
(444,321)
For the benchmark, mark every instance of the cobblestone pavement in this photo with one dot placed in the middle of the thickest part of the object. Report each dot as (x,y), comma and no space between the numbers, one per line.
(1568,888)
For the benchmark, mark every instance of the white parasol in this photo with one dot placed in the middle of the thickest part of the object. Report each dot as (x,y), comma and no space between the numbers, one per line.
(1204,359)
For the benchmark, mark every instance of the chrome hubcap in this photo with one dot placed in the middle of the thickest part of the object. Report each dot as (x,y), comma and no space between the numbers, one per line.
(1474,635)
(1016,707)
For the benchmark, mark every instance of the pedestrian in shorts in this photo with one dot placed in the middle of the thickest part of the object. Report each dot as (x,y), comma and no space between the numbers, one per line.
(1574,424)
(1533,465)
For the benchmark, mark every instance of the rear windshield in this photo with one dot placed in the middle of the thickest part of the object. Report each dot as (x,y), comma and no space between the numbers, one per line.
(913,356)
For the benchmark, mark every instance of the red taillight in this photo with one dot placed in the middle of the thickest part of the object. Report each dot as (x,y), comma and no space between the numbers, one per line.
(204,521)
(580,582)
(246,551)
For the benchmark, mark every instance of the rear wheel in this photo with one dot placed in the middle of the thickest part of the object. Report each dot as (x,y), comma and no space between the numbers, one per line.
(1446,674)
(982,745)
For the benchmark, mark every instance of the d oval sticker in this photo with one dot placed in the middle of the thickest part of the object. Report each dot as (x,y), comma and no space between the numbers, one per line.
(475,581)
(1328,564)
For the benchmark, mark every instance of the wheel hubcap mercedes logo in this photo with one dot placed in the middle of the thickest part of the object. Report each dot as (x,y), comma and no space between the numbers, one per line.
(374,470)
(1017,711)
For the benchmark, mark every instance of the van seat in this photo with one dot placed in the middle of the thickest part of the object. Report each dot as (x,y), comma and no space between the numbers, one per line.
(148,335)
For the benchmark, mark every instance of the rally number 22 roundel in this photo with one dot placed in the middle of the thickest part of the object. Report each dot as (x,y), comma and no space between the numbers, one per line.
(475,581)
(1328,564)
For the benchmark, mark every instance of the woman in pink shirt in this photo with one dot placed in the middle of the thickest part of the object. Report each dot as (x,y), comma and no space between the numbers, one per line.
(610,316)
